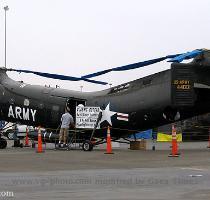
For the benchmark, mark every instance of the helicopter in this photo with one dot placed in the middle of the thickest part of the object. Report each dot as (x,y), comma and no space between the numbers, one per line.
(181,92)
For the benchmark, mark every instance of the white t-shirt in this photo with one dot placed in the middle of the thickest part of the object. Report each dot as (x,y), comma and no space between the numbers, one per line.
(66,120)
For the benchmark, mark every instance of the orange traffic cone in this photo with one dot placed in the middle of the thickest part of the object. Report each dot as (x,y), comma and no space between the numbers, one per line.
(108,142)
(174,143)
(26,139)
(209,139)
(39,149)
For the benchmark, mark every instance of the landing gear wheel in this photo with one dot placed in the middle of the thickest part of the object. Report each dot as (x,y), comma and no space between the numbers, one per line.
(87,146)
(3,143)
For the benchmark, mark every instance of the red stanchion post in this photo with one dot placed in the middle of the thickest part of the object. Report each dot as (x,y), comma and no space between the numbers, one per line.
(174,152)
(26,139)
(39,148)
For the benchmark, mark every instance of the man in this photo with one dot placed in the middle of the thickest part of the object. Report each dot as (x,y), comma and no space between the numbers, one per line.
(66,122)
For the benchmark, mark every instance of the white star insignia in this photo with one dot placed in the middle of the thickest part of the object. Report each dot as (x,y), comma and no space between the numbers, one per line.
(107,114)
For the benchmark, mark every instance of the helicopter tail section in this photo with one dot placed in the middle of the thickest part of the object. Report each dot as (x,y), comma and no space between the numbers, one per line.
(182,85)
(190,84)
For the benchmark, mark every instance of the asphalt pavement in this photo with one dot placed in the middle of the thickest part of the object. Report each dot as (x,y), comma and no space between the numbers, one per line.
(126,174)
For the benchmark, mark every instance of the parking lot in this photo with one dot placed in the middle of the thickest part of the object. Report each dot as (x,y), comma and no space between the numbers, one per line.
(126,174)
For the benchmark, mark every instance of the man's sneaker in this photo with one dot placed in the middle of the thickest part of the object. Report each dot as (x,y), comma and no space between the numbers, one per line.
(59,145)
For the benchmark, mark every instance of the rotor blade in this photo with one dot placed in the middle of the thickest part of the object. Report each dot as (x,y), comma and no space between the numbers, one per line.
(185,56)
(94,81)
(58,76)
(130,66)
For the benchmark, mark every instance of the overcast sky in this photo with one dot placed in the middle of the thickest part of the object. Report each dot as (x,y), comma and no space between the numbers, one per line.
(77,37)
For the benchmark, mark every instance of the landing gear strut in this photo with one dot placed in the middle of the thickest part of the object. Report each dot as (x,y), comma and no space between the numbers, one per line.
(88,145)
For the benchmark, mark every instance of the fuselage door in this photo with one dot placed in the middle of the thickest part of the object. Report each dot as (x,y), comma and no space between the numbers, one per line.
(72,103)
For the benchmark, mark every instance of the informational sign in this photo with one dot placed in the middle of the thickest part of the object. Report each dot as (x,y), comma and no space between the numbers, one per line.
(182,92)
(86,117)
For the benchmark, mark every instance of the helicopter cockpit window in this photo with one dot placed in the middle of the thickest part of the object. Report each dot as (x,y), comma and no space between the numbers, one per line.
(11,101)
(26,102)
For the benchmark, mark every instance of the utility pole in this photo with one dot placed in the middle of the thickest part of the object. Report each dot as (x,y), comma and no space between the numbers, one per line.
(6,8)
(81,87)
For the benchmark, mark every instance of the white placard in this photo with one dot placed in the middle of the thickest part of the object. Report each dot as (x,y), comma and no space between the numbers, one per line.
(86,117)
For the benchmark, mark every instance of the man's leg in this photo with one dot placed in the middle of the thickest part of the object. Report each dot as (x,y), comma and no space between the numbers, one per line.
(61,135)
(66,131)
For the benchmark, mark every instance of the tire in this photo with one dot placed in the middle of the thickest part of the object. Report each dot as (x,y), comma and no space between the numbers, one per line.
(9,134)
(3,143)
(87,146)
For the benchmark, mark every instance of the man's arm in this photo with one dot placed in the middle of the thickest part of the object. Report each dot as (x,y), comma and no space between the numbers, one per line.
(71,125)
